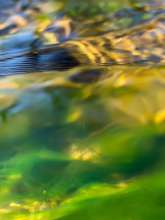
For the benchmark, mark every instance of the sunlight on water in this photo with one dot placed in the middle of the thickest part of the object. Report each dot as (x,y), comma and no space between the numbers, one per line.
(85,143)
(77,150)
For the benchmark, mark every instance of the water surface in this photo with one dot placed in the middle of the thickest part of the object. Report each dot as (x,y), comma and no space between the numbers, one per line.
(83,149)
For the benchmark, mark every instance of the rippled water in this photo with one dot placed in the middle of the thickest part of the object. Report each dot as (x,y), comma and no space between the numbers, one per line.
(75,150)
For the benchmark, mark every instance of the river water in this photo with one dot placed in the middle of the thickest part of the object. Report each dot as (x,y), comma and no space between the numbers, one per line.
(83,150)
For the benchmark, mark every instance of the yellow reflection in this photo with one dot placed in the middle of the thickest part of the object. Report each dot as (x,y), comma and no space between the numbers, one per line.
(85,154)
(121,81)
(7,101)
(4,211)
(16,176)
(74,116)
(159,116)
(50,38)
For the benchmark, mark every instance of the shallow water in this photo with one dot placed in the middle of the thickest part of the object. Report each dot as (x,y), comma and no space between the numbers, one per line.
(83,149)
(75,151)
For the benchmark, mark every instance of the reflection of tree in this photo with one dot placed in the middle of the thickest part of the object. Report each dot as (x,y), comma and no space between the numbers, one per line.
(69,134)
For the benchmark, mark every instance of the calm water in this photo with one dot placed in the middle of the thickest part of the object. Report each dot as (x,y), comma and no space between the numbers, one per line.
(83,151)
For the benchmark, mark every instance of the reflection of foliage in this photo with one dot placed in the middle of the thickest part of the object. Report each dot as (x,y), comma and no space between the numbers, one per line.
(87,143)
(90,7)
(71,146)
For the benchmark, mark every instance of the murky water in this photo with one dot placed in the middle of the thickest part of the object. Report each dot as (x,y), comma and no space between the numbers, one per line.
(72,148)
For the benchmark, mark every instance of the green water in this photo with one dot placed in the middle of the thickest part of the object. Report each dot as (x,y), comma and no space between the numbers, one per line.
(86,151)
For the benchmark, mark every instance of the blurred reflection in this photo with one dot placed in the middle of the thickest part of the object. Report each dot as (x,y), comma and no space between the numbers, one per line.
(85,143)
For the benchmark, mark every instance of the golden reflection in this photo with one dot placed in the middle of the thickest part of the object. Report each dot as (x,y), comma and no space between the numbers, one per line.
(6,101)
(50,38)
(84,154)
(159,116)
(4,211)
(74,116)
